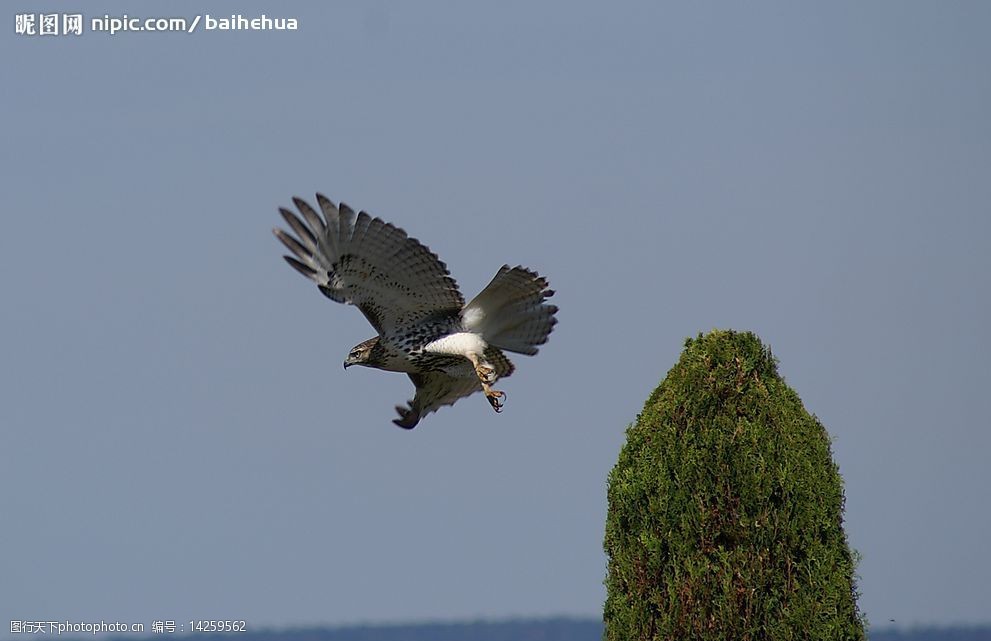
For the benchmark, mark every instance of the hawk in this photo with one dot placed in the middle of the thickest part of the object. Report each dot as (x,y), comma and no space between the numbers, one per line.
(447,348)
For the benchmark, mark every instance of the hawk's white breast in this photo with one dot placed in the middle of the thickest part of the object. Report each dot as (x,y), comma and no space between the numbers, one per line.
(459,344)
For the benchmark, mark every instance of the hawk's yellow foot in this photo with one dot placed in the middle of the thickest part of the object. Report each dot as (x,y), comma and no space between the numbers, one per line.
(486,373)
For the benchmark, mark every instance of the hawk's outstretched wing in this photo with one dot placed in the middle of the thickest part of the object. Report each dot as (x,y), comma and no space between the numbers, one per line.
(436,389)
(353,258)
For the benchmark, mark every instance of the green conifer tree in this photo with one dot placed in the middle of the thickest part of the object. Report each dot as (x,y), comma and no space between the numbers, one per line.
(726,509)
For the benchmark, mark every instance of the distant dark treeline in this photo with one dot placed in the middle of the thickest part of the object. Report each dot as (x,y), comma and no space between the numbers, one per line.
(528,630)
(973,633)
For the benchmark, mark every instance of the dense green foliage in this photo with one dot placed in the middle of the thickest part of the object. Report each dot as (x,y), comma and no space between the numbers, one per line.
(725,509)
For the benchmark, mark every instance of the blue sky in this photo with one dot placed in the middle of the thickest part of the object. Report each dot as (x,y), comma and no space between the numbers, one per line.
(180,440)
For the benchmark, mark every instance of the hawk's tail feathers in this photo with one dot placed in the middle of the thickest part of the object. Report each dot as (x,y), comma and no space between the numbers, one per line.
(511,312)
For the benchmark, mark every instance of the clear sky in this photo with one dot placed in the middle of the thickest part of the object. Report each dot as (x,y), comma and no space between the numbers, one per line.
(179,438)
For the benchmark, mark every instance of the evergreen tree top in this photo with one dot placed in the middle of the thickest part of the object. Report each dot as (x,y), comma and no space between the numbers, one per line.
(725,508)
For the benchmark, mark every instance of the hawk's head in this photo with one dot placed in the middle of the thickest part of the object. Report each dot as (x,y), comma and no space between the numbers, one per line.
(368,353)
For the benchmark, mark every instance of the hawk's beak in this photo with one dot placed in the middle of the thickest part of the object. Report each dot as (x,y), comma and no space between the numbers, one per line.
(346,364)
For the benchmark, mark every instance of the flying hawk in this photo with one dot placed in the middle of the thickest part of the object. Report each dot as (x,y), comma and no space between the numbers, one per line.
(449,350)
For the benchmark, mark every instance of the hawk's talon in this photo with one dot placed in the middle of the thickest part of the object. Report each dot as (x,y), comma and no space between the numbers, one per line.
(496,399)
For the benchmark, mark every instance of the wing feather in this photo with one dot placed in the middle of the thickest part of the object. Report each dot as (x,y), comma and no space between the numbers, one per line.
(293,245)
(305,270)
(364,261)
(433,391)
(304,233)
(316,224)
(330,215)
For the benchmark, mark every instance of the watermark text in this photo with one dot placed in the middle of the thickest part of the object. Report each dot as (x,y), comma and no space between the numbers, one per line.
(75,24)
